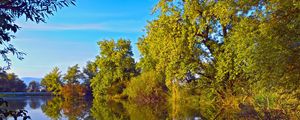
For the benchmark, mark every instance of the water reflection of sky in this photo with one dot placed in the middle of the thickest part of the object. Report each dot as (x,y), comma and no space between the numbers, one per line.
(44,108)
(49,108)
(31,104)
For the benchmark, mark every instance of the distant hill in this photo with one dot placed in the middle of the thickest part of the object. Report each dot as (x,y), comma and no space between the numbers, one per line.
(27,80)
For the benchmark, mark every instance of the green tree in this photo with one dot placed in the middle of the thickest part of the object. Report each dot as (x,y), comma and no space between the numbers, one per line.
(11,83)
(264,50)
(229,46)
(115,65)
(73,75)
(36,11)
(52,81)
(33,86)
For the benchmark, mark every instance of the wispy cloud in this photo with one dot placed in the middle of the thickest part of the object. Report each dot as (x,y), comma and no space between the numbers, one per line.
(47,27)
(108,27)
(101,15)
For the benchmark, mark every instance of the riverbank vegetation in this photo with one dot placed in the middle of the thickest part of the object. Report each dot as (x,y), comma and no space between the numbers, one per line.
(231,55)
(68,85)
(225,53)
(11,83)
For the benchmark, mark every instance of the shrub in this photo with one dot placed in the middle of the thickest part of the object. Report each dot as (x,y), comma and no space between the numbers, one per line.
(73,91)
(149,87)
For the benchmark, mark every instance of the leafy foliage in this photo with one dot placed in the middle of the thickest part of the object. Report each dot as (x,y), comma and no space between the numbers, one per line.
(239,55)
(73,75)
(115,65)
(11,83)
(73,91)
(52,81)
(149,87)
(229,46)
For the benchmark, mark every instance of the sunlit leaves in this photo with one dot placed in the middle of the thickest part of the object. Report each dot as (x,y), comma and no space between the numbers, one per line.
(73,75)
(232,46)
(52,81)
(116,66)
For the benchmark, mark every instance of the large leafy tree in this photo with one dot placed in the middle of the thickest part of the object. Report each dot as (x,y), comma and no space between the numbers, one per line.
(226,44)
(52,81)
(115,65)
(264,52)
(33,10)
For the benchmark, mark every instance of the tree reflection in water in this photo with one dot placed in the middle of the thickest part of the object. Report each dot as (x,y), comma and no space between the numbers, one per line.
(52,108)
(108,110)
(124,110)
(34,103)
(74,109)
(57,108)
(157,111)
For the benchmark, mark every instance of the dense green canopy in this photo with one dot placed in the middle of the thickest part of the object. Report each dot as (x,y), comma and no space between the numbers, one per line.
(73,75)
(239,54)
(116,67)
(52,81)
(231,48)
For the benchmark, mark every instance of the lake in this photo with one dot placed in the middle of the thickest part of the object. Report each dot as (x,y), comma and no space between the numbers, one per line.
(48,107)
(55,108)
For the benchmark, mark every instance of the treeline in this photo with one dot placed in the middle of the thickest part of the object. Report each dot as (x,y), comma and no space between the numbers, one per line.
(74,84)
(10,82)
(228,53)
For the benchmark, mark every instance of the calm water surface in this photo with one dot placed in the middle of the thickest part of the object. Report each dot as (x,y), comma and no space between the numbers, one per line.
(55,108)
(49,108)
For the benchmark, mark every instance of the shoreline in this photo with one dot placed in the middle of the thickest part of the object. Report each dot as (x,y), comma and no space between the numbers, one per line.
(5,94)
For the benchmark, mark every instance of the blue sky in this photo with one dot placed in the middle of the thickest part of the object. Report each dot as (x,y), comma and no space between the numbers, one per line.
(70,36)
